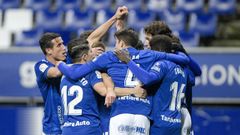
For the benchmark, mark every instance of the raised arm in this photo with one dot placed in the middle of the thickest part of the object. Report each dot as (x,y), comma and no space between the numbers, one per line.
(101,30)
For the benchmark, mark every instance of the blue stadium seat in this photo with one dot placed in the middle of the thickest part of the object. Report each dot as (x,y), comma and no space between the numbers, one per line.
(97,5)
(49,19)
(28,38)
(103,15)
(37,4)
(175,19)
(131,4)
(68,4)
(190,5)
(76,19)
(222,6)
(66,34)
(140,18)
(5,4)
(158,6)
(189,39)
(204,23)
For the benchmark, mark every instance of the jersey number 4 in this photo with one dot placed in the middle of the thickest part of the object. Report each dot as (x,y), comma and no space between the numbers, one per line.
(130,79)
(176,95)
(69,108)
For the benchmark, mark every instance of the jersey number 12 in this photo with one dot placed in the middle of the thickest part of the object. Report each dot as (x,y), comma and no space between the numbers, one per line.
(69,108)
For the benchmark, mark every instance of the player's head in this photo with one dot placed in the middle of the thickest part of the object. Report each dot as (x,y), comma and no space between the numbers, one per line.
(52,46)
(139,45)
(79,52)
(125,38)
(155,28)
(176,45)
(84,35)
(98,48)
(161,43)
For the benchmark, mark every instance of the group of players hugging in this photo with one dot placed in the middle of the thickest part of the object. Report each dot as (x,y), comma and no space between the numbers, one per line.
(137,89)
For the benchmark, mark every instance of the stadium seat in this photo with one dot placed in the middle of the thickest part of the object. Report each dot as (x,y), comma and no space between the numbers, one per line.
(103,16)
(204,23)
(7,36)
(66,34)
(97,5)
(139,18)
(18,19)
(175,19)
(131,4)
(6,4)
(190,5)
(49,19)
(68,4)
(158,5)
(189,39)
(37,4)
(28,38)
(222,6)
(76,19)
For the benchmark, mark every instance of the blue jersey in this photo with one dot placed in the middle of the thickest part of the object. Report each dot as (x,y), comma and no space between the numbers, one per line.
(50,90)
(81,114)
(123,77)
(168,98)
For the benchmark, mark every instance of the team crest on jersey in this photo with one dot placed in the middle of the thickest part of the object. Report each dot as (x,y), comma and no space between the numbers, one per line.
(43,67)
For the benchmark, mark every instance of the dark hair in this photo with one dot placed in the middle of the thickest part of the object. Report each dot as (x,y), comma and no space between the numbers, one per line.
(161,43)
(83,36)
(129,36)
(139,45)
(99,44)
(78,51)
(76,42)
(45,41)
(157,28)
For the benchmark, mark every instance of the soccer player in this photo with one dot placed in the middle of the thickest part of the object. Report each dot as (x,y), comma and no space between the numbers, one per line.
(160,28)
(171,80)
(81,114)
(134,118)
(48,80)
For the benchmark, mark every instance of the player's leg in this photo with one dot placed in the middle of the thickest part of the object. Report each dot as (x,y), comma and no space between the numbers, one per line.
(186,121)
(142,124)
(121,124)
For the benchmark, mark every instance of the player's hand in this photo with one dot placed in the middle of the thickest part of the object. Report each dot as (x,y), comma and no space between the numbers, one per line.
(140,92)
(110,98)
(123,55)
(121,12)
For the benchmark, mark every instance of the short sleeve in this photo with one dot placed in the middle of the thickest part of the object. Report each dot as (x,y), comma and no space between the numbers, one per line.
(41,70)
(95,77)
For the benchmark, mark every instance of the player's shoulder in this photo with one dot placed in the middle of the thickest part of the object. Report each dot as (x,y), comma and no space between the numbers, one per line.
(42,65)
